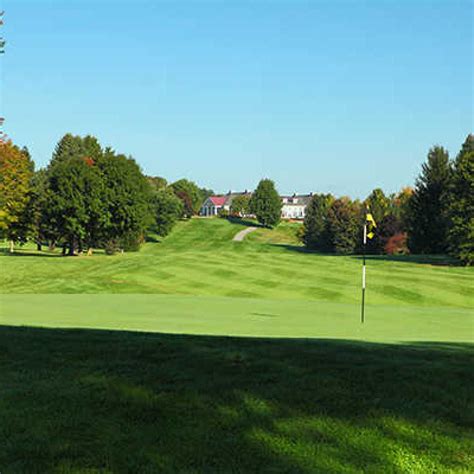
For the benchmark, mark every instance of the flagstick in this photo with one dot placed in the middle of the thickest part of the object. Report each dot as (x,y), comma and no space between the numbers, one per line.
(362,311)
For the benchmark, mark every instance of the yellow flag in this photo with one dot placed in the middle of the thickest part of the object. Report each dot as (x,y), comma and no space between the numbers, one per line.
(371,225)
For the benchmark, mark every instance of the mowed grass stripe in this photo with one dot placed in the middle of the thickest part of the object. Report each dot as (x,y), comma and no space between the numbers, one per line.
(200,258)
(239,316)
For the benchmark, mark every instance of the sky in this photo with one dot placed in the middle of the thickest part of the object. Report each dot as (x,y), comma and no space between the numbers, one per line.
(321,96)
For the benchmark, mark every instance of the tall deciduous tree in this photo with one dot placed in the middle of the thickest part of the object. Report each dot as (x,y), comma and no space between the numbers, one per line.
(75,203)
(427,220)
(205,193)
(315,229)
(266,204)
(240,206)
(378,203)
(400,206)
(126,197)
(157,183)
(167,208)
(16,170)
(190,195)
(40,228)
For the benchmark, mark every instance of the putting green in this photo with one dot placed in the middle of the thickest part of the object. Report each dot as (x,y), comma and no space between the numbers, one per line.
(239,317)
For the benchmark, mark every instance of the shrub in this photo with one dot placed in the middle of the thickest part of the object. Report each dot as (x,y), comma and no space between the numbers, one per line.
(397,244)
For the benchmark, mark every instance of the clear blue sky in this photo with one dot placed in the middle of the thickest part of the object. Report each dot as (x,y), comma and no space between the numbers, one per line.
(319,96)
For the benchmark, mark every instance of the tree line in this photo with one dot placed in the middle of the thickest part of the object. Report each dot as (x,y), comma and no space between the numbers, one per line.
(435,217)
(87,197)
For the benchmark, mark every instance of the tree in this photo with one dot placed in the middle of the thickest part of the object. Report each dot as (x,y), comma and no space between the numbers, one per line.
(157,183)
(69,146)
(92,147)
(167,208)
(400,204)
(389,226)
(461,208)
(240,205)
(427,217)
(15,181)
(467,146)
(75,202)
(126,198)
(396,244)
(39,228)
(190,195)
(378,203)
(266,204)
(315,227)
(205,193)
(343,226)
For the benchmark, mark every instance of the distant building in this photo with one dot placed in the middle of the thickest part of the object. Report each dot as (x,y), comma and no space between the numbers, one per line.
(294,207)
(214,204)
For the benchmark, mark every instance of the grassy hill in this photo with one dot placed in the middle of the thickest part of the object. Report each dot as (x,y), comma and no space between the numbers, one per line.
(328,395)
(199,258)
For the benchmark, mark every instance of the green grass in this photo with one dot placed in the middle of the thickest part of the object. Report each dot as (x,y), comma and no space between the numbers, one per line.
(82,401)
(305,388)
(200,259)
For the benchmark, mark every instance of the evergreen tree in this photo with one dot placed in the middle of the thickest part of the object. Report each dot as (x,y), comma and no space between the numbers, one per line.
(467,146)
(266,204)
(427,217)
(461,207)
(92,148)
(315,228)
(343,226)
(70,146)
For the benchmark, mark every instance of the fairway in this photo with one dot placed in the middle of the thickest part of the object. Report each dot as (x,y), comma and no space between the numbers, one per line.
(199,281)
(303,388)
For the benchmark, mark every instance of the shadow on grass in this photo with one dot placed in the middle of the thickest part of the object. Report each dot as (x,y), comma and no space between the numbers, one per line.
(155,239)
(243,221)
(19,252)
(299,249)
(436,260)
(141,402)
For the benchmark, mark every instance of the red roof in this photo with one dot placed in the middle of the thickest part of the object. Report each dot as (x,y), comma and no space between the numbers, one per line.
(218,200)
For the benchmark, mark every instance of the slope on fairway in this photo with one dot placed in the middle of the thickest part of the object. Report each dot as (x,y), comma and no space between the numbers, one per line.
(200,258)
(264,286)
(257,287)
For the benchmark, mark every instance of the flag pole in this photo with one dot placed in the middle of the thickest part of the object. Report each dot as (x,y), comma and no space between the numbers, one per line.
(362,309)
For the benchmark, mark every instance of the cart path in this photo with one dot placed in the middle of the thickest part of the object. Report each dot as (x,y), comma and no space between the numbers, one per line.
(241,235)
